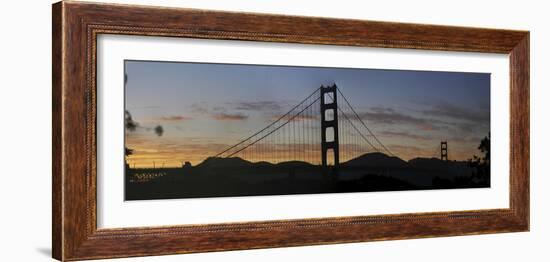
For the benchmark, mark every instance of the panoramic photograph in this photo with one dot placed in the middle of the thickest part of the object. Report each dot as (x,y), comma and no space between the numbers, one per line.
(197,130)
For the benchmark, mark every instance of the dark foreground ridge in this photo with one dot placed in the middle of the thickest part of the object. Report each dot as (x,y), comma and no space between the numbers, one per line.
(220,177)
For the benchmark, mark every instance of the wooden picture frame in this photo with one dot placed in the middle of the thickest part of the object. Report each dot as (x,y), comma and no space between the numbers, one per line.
(76,26)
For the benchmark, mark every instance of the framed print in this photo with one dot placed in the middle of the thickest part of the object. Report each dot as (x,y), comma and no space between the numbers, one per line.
(182,130)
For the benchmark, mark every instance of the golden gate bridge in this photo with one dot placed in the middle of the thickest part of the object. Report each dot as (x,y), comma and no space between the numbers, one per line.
(318,130)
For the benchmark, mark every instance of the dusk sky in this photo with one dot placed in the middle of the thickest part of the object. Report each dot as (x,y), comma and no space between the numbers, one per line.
(204,108)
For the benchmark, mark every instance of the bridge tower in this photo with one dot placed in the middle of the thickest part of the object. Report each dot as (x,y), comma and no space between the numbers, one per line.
(444,151)
(329,121)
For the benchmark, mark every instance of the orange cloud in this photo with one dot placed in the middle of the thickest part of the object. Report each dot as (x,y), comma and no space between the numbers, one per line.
(174,118)
(226,116)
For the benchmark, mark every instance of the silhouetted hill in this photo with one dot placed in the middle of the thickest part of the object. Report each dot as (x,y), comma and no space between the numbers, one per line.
(216,162)
(369,160)
(219,162)
(293,164)
(376,160)
(216,177)
(263,163)
(428,163)
(435,163)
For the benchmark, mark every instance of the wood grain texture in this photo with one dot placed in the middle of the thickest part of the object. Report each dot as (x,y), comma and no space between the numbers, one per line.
(519,129)
(76,26)
(57,192)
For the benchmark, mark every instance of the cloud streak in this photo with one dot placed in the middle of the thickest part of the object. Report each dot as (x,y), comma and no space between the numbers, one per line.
(446,110)
(218,113)
(228,116)
(174,118)
(198,108)
(406,135)
(389,116)
(257,106)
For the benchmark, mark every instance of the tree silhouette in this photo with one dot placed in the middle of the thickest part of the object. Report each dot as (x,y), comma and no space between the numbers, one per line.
(128,151)
(159,130)
(129,123)
(481,166)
